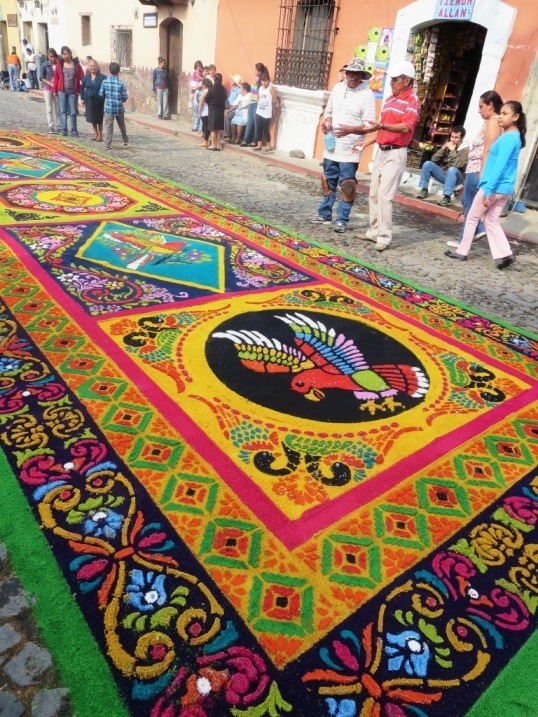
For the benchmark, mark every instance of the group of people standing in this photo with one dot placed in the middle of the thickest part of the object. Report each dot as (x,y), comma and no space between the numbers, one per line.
(17,78)
(65,81)
(243,116)
(349,126)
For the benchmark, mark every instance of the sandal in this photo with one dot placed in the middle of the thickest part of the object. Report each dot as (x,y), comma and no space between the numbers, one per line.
(257,149)
(243,144)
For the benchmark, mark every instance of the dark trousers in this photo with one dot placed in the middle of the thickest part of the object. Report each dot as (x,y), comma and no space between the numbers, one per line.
(262,129)
(205,128)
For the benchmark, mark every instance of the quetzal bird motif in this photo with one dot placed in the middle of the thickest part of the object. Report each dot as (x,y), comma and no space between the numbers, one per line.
(323,359)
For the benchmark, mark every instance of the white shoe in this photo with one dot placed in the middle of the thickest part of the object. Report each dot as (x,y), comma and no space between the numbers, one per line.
(458,187)
(480,235)
(453,244)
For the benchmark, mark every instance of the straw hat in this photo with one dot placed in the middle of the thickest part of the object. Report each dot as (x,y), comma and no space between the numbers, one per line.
(237,79)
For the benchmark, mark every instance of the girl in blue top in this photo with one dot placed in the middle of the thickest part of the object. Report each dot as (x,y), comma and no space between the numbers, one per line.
(496,187)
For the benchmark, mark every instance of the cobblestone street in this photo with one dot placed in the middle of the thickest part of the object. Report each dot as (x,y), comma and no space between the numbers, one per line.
(287,198)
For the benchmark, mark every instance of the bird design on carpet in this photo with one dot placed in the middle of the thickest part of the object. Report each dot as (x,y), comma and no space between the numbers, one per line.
(324,359)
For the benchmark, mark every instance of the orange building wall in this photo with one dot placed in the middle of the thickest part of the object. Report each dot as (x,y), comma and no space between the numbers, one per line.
(247,33)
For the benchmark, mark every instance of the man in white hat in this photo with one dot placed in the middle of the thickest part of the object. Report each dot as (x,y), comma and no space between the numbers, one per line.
(351,102)
(395,128)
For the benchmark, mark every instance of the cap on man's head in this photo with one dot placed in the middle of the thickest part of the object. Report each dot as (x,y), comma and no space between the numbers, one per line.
(356,65)
(405,68)
(237,79)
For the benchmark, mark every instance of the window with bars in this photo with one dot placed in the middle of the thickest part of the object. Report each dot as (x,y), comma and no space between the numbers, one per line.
(86,29)
(121,42)
(305,43)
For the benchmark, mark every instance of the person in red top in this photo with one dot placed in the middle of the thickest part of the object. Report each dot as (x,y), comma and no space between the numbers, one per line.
(66,81)
(399,117)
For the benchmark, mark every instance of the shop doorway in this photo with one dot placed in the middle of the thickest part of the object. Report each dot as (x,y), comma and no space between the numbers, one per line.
(447,59)
(171,43)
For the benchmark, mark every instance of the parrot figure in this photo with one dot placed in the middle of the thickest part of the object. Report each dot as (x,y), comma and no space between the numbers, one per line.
(322,359)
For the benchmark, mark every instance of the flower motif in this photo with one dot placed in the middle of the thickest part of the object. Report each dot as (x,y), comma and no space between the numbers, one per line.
(8,365)
(409,650)
(343,708)
(146,591)
(522,509)
(235,677)
(103,523)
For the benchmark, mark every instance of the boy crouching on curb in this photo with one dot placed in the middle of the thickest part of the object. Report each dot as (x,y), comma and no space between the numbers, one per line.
(115,94)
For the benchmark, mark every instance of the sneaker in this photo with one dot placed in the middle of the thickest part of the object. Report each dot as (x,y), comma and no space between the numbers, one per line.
(126,144)
(458,187)
(446,201)
(380,246)
(159,117)
(107,146)
(340,227)
(52,131)
(422,194)
(503,263)
(317,219)
(74,134)
(480,235)
(453,244)
(455,255)
(365,237)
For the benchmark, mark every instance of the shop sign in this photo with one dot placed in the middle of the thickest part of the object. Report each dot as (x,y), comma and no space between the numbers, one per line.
(453,9)
(150,19)
(12,20)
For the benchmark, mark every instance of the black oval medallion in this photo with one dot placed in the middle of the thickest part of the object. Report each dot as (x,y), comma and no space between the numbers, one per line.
(316,366)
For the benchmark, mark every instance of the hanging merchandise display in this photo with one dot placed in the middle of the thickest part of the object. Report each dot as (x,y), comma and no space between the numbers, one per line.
(446,59)
(376,55)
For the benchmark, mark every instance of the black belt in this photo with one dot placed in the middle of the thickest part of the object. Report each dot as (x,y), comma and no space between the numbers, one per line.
(386,147)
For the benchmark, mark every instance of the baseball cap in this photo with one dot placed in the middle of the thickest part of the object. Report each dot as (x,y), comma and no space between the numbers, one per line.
(405,68)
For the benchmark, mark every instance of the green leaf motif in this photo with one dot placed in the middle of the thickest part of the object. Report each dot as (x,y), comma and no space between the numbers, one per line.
(444,663)
(74,517)
(273,706)
(162,618)
(91,504)
(129,621)
(429,630)
(140,624)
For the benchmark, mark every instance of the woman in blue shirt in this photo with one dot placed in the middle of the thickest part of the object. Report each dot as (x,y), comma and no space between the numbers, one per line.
(496,187)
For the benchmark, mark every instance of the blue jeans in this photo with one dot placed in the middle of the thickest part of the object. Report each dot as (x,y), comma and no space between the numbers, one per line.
(13,71)
(335,173)
(32,74)
(469,193)
(196,120)
(68,105)
(452,177)
(250,131)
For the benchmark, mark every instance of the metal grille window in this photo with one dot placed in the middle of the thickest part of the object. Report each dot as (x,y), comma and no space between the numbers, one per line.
(86,28)
(305,43)
(121,41)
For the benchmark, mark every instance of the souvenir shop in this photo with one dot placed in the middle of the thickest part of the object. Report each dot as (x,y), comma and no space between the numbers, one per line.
(447,57)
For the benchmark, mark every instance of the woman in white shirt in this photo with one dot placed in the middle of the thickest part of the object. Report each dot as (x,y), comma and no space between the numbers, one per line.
(267,102)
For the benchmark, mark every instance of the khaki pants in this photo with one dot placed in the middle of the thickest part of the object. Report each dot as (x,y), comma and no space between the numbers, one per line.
(387,174)
(108,128)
